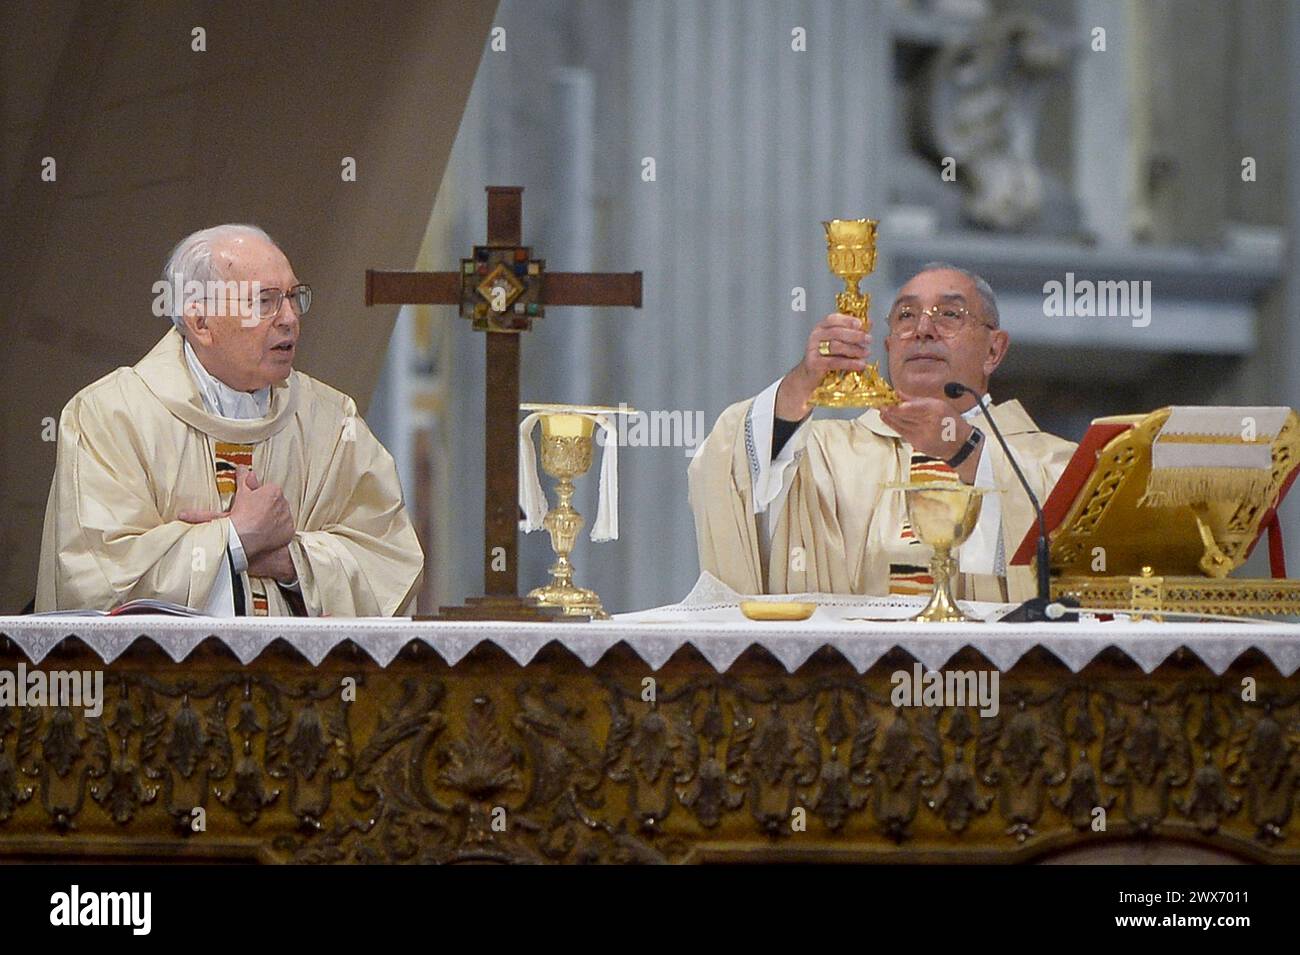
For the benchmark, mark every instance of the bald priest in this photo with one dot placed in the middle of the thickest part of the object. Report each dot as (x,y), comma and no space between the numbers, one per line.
(783,504)
(211,474)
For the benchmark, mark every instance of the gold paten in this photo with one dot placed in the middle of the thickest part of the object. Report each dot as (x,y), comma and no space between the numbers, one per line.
(777,609)
(942,514)
(851,254)
(1107,540)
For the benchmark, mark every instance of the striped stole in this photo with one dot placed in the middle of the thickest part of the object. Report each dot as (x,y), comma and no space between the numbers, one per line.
(227,457)
(911,576)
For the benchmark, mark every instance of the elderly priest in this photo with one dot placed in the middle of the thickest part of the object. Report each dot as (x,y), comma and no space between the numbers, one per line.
(211,474)
(785,505)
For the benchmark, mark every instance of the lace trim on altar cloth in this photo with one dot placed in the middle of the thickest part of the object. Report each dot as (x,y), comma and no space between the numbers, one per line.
(708,620)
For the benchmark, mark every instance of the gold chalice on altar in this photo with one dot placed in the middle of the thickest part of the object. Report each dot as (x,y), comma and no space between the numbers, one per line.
(566,453)
(942,515)
(851,254)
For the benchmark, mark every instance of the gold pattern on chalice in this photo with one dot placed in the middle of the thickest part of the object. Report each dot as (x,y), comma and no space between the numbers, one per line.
(851,254)
(942,514)
(567,441)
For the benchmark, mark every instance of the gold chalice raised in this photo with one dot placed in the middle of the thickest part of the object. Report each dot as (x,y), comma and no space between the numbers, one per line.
(851,254)
(942,514)
(566,453)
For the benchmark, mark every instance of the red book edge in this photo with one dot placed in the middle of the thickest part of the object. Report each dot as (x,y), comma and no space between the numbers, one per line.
(1276,557)
(1068,486)
(1075,476)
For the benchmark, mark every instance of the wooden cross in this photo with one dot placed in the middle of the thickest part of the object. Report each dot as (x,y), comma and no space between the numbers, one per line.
(501,289)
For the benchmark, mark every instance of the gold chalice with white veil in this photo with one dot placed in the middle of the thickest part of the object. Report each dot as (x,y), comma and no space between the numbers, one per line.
(567,441)
(568,437)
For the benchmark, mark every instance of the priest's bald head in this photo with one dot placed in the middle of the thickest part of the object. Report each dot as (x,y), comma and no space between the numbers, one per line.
(244,323)
(943,326)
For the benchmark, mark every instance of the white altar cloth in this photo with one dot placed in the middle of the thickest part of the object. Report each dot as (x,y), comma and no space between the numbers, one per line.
(708,620)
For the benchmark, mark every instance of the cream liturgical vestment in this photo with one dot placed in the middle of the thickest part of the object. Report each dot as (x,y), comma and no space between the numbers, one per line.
(834,528)
(137,447)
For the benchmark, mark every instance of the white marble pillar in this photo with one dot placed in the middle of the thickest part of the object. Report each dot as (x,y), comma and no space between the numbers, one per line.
(1105,166)
(754,143)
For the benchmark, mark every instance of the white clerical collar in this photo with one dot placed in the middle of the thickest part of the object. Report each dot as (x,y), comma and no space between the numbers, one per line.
(975,409)
(222,400)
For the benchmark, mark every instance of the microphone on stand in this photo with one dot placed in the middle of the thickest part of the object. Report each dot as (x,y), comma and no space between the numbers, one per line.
(1041,607)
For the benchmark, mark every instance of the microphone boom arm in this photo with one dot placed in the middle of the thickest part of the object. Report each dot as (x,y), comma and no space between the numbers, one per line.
(955,389)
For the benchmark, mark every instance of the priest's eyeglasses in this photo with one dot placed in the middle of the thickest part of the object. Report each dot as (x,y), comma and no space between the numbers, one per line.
(268,302)
(948,320)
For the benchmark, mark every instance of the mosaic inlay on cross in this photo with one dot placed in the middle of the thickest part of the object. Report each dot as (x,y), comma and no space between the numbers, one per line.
(501,289)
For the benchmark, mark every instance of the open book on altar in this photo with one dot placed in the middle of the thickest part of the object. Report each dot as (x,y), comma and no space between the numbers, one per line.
(1174,500)
(144,605)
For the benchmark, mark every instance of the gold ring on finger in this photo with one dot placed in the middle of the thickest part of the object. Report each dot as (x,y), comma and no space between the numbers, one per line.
(824,349)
